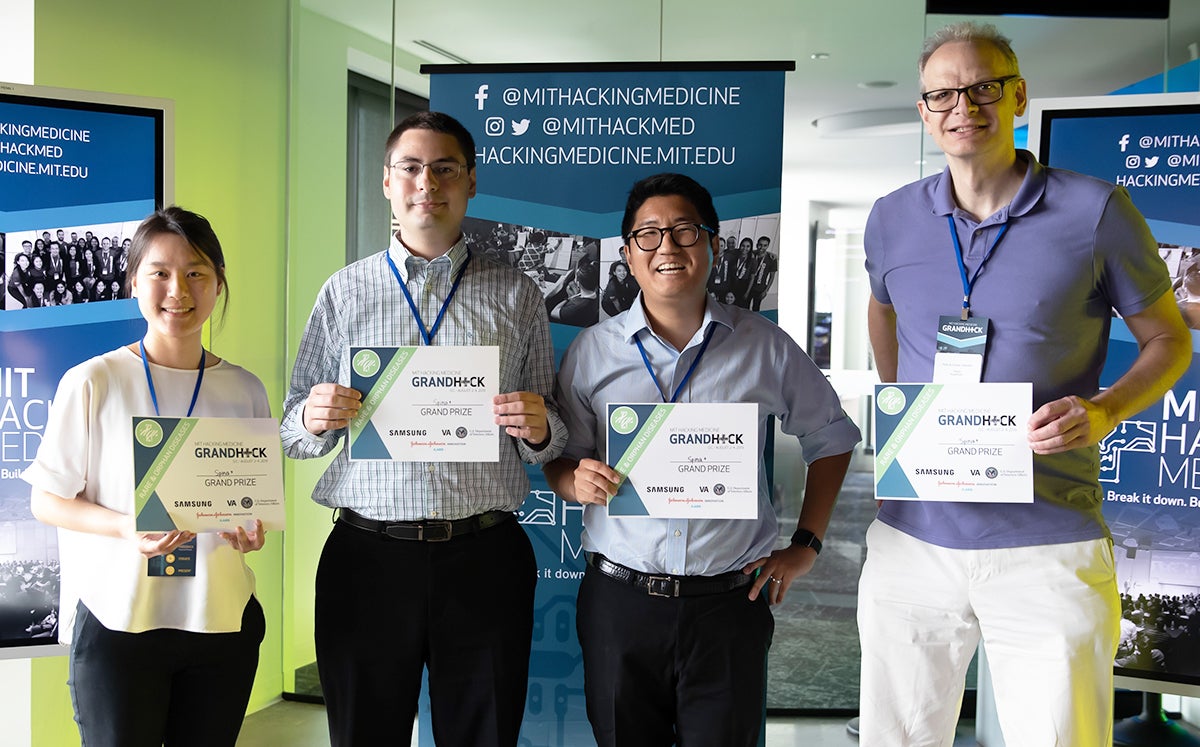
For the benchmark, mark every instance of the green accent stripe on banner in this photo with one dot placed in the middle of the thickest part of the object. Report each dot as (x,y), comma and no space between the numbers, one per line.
(383,385)
(171,446)
(645,435)
(886,455)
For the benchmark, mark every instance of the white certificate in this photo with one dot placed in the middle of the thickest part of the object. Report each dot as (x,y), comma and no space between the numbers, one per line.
(425,404)
(689,461)
(207,474)
(953,442)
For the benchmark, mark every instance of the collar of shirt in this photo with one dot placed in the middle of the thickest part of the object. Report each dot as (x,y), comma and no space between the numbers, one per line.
(1023,201)
(401,255)
(635,321)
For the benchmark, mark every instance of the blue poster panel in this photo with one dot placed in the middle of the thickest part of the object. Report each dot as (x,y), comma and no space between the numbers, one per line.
(78,172)
(557,150)
(1150,464)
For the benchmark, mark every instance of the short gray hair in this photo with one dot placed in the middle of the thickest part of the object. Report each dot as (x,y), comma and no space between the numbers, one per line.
(967,31)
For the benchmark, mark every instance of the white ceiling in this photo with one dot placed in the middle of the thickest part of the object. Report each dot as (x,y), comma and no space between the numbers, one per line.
(866,40)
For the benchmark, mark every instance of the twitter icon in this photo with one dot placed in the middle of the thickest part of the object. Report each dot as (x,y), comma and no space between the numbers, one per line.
(519,127)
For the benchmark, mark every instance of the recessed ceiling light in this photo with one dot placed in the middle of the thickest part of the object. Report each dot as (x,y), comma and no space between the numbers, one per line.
(820,55)
(870,123)
(875,84)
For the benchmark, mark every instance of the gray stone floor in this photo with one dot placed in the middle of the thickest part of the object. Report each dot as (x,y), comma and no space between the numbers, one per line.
(814,655)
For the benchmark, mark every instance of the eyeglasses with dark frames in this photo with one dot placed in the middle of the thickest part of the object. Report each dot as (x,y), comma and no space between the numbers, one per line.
(649,239)
(983,92)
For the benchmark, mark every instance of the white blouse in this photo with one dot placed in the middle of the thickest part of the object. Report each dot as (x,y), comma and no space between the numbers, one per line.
(87,454)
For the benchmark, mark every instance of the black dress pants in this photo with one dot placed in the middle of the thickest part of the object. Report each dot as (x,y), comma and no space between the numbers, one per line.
(171,687)
(386,609)
(661,671)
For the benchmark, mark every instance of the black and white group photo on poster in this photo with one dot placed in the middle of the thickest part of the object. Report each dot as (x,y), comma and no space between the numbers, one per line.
(64,266)
(748,263)
(28,600)
(566,267)
(585,280)
(1183,263)
(28,574)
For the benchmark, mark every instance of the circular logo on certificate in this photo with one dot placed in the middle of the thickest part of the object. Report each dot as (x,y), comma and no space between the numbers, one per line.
(718,489)
(991,473)
(247,502)
(148,433)
(623,420)
(891,400)
(365,363)
(170,571)
(169,558)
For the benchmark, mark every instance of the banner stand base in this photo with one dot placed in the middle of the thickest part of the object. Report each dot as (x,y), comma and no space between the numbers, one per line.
(1152,728)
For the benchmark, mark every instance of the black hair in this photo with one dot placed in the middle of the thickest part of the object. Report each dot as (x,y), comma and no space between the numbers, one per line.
(661,185)
(192,228)
(437,122)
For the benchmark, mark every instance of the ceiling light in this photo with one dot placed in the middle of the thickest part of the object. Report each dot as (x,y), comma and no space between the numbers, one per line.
(876,84)
(820,55)
(870,123)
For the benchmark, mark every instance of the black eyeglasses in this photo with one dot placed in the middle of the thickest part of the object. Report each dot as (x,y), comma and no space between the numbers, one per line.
(984,92)
(683,234)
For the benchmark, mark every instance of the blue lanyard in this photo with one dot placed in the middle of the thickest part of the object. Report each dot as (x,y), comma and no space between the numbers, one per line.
(646,359)
(968,286)
(428,335)
(150,379)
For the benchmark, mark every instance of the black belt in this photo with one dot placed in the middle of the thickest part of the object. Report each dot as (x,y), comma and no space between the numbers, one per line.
(670,586)
(425,531)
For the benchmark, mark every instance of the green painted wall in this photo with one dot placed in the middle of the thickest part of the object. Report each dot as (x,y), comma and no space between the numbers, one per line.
(270,173)
(225,64)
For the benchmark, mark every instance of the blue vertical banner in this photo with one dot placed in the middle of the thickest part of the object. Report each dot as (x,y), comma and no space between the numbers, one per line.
(1150,464)
(78,172)
(557,149)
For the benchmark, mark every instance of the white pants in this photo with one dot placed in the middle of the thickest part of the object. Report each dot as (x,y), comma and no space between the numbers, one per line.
(1049,617)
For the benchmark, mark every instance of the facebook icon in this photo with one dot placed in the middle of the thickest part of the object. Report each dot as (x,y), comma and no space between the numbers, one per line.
(481,96)
(1124,141)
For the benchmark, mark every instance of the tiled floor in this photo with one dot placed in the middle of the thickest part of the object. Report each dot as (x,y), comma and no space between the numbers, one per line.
(303,725)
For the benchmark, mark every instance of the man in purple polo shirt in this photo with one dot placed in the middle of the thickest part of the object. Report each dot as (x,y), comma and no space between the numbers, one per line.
(1059,253)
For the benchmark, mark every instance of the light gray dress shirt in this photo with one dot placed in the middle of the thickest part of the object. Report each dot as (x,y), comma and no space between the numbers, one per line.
(750,359)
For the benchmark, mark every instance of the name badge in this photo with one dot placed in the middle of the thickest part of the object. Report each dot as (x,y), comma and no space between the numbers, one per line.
(179,563)
(961,345)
